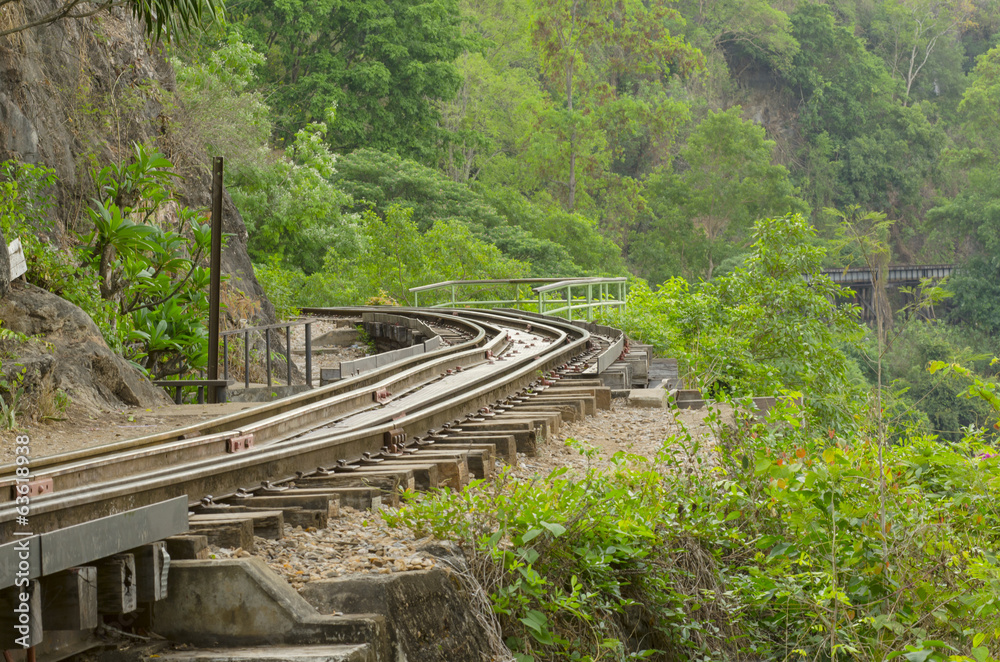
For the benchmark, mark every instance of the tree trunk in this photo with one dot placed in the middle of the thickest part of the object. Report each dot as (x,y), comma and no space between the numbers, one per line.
(572,137)
(4,266)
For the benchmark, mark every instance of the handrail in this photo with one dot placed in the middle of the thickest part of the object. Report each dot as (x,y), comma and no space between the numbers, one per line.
(493,281)
(266,329)
(582,302)
(579,281)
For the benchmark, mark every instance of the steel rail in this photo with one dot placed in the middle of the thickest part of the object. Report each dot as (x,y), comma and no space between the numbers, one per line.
(225,473)
(270,430)
(230,422)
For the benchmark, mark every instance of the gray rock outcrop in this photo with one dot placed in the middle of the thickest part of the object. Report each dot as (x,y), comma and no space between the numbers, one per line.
(67,352)
(83,89)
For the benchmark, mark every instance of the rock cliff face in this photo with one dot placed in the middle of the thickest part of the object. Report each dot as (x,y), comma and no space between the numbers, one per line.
(83,88)
(75,93)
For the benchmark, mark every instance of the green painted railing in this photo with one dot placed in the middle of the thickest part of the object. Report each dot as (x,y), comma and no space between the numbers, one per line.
(549,296)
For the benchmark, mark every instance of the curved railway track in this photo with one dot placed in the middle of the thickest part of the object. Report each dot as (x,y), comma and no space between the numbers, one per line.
(494,356)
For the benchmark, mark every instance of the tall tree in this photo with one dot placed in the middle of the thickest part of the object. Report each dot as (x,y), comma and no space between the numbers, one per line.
(595,53)
(909,32)
(383,65)
(728,183)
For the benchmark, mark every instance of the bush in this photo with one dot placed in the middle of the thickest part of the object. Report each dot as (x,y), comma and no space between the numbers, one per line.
(770,326)
(801,543)
(623,563)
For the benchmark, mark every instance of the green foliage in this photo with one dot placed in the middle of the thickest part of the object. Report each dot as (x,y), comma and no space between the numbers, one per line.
(11,396)
(290,207)
(754,27)
(220,105)
(604,565)
(849,574)
(381,180)
(919,343)
(281,286)
(728,183)
(174,19)
(780,551)
(974,209)
(167,19)
(554,242)
(25,207)
(382,65)
(977,295)
(865,147)
(146,272)
(393,256)
(768,326)
(579,235)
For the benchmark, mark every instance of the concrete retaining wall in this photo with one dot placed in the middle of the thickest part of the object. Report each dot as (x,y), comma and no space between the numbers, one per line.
(418,337)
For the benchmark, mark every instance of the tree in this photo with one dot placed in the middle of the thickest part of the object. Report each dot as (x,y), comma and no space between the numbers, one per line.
(729,183)
(862,146)
(973,213)
(290,207)
(596,56)
(910,31)
(380,180)
(169,19)
(382,65)
(393,256)
(490,115)
(152,271)
(753,26)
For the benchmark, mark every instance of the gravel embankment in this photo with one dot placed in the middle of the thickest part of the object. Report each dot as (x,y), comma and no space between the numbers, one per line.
(361,542)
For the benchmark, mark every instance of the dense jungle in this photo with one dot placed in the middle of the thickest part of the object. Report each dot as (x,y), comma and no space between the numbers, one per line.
(719,154)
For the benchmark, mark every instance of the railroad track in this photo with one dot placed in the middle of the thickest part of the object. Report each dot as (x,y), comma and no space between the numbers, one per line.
(492,363)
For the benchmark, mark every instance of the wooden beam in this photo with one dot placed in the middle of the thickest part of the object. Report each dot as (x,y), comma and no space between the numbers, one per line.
(152,565)
(71,599)
(116,590)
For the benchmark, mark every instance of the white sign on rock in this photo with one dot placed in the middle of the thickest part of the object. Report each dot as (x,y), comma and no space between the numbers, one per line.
(18,264)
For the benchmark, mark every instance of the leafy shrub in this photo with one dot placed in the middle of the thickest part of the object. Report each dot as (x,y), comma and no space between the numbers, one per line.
(769,326)
(25,205)
(872,552)
(800,543)
(281,285)
(622,563)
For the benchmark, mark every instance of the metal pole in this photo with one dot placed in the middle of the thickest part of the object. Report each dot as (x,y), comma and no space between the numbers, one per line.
(569,302)
(309,349)
(267,354)
(215,275)
(246,360)
(590,305)
(288,354)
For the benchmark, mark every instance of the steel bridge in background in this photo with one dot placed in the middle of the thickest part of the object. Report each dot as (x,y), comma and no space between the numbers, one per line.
(861,281)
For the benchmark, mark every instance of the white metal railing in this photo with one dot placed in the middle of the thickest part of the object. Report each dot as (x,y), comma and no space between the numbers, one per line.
(549,296)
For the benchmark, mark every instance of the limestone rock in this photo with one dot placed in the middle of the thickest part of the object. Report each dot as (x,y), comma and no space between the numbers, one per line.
(76,89)
(73,356)
(429,616)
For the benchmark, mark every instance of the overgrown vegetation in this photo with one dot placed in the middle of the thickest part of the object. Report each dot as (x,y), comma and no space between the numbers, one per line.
(139,272)
(773,548)
(704,148)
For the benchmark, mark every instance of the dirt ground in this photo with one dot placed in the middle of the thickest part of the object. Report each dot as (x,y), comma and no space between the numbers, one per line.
(82,430)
